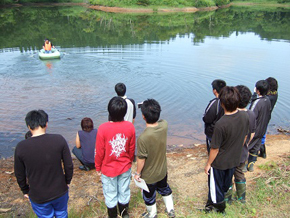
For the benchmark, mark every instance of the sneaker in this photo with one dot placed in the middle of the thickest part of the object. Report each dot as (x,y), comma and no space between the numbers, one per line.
(171,214)
(84,167)
(251,167)
(146,215)
(245,168)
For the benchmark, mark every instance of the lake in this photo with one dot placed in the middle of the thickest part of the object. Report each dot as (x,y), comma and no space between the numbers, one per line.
(172,58)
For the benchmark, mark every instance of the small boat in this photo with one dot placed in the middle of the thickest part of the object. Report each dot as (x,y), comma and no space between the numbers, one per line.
(53,55)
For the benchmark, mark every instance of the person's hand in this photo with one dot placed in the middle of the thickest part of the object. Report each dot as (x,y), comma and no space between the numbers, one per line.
(26,196)
(207,168)
(137,177)
(99,173)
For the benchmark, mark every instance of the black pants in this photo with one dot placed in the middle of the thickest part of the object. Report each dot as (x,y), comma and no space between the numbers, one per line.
(161,187)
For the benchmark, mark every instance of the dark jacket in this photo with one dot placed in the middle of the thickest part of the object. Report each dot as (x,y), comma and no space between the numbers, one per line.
(212,114)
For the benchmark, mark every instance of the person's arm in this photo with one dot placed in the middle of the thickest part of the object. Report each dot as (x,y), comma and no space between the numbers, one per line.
(99,151)
(78,142)
(140,166)
(20,173)
(210,113)
(212,155)
(132,146)
(251,137)
(67,163)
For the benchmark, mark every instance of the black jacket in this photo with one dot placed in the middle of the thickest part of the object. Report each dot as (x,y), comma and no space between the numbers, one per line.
(212,114)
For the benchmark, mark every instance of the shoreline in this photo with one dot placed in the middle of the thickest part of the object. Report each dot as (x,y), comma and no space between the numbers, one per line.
(158,9)
(179,148)
(186,177)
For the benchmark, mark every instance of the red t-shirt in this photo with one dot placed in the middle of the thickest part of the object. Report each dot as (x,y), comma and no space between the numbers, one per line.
(115,148)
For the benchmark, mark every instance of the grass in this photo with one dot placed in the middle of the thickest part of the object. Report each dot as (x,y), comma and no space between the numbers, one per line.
(262,3)
(267,196)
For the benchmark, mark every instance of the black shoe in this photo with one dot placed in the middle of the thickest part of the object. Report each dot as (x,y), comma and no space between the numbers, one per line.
(112,212)
(84,167)
(263,151)
(123,210)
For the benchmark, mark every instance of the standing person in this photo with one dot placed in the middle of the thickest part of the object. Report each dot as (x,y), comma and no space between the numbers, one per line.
(240,179)
(120,89)
(115,147)
(39,159)
(261,106)
(85,144)
(273,96)
(47,45)
(226,147)
(213,111)
(151,159)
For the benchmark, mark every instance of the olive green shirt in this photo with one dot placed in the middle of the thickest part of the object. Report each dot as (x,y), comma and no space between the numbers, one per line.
(151,145)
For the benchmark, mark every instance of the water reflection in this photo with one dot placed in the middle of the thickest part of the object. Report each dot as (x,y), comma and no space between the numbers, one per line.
(170,57)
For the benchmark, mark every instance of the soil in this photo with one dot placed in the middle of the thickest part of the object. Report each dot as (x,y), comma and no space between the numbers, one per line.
(185,170)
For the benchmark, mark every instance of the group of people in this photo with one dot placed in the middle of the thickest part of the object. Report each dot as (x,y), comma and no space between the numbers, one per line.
(44,169)
(235,137)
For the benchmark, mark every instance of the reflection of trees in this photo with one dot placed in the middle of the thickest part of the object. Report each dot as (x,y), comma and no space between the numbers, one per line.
(77,26)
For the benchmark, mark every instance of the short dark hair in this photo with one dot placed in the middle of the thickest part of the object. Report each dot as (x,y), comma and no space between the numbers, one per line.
(262,86)
(120,89)
(273,84)
(230,98)
(44,115)
(151,110)
(218,84)
(245,94)
(36,118)
(28,135)
(87,124)
(117,108)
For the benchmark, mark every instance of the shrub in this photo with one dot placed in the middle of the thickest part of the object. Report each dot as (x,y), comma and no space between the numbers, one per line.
(222,2)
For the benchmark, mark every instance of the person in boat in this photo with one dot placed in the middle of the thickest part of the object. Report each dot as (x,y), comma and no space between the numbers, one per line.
(47,45)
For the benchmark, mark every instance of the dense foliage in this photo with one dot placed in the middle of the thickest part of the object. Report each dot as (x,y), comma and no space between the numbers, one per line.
(77,26)
(152,3)
(3,2)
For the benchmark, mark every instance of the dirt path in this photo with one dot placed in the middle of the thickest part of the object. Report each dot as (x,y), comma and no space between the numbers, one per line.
(185,170)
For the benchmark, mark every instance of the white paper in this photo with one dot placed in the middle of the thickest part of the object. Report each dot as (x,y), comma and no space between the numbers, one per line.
(142,185)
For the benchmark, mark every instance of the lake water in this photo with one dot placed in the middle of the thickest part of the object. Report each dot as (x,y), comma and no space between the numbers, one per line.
(172,58)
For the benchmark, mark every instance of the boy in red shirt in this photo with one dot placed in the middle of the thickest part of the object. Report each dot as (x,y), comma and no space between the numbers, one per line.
(115,147)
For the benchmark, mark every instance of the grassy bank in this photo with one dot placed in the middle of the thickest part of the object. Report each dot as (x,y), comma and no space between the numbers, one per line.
(268,187)
(268,194)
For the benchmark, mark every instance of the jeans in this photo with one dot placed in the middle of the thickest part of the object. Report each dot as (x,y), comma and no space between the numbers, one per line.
(56,207)
(79,155)
(263,139)
(117,189)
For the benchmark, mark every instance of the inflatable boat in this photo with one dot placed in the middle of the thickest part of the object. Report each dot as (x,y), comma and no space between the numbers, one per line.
(53,55)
